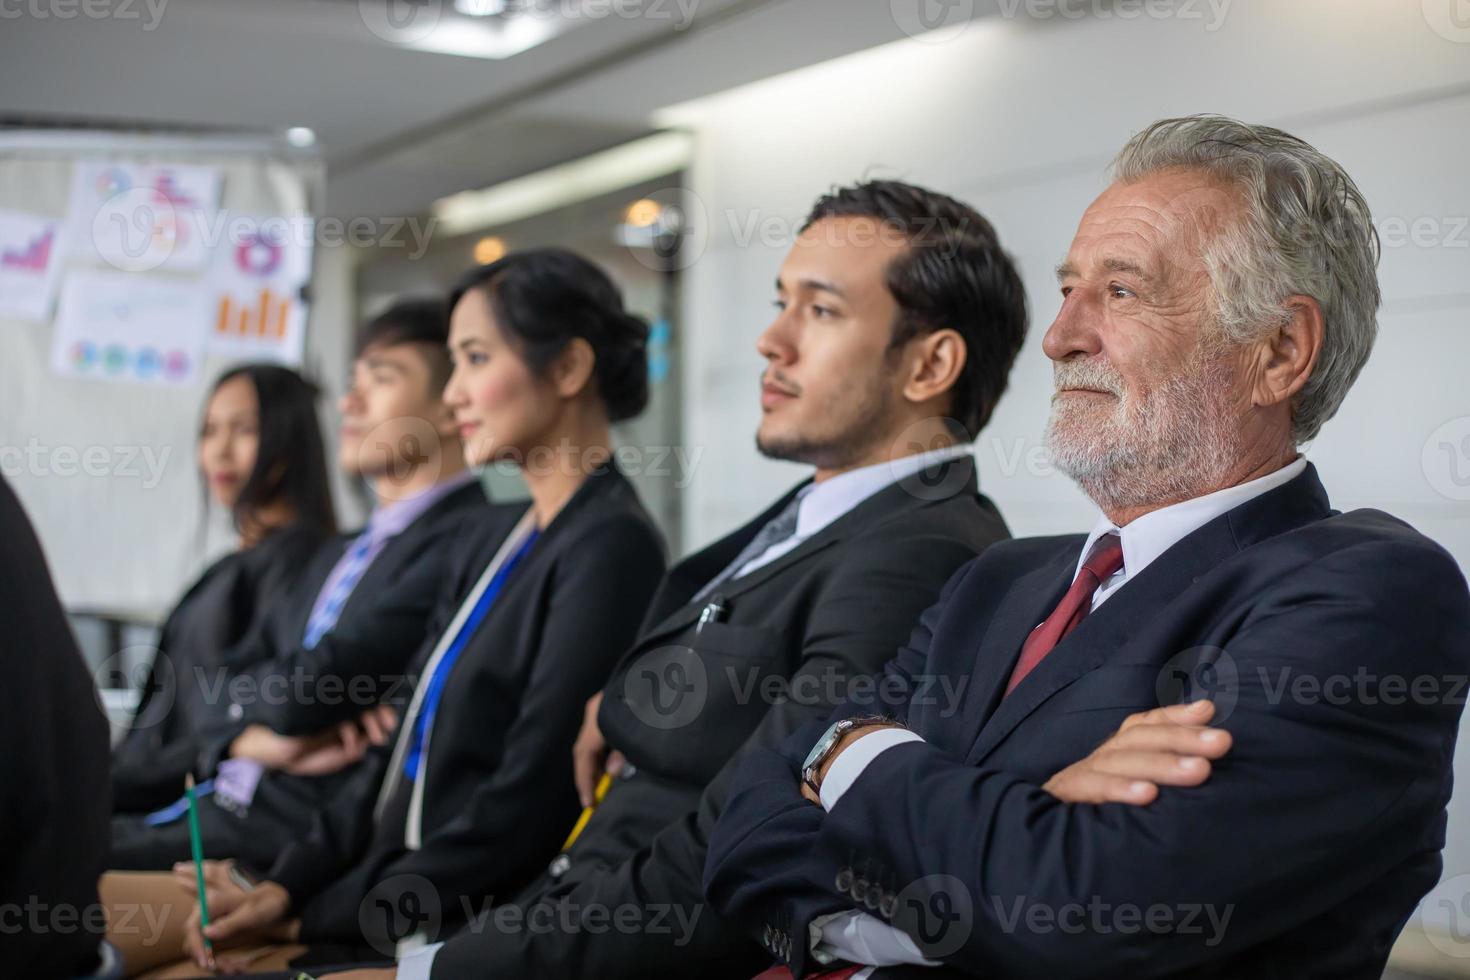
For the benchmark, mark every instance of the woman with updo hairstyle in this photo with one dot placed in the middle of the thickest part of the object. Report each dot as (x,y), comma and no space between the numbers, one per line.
(477,795)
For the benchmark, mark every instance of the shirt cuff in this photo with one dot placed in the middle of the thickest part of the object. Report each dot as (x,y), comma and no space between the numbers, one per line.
(858,937)
(855,758)
(418,966)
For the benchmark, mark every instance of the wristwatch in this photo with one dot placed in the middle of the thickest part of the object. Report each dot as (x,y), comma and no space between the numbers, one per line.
(820,752)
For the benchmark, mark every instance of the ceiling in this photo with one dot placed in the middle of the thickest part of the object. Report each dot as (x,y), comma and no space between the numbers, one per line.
(399,126)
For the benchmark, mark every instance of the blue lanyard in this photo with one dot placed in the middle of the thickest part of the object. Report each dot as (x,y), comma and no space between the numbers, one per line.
(435,690)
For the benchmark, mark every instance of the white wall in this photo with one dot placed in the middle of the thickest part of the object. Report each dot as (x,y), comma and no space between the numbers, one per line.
(1019,116)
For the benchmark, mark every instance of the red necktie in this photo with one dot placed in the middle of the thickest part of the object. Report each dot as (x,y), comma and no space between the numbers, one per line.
(784,973)
(1106,559)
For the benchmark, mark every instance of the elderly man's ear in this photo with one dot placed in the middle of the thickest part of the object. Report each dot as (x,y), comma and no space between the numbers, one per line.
(1286,358)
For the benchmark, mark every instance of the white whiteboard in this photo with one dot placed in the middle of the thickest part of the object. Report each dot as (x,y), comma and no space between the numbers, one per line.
(107,470)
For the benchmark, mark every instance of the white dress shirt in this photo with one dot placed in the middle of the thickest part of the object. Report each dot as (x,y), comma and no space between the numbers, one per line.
(859,937)
(820,505)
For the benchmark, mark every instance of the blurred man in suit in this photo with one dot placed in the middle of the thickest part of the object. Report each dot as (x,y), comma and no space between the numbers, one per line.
(1219,299)
(898,319)
(305,708)
(53,817)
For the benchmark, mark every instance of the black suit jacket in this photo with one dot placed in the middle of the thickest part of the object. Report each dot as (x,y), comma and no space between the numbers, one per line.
(1310,843)
(498,792)
(53,799)
(685,701)
(363,657)
(222,624)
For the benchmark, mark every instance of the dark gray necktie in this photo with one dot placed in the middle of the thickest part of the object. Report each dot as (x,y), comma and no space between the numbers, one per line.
(777,529)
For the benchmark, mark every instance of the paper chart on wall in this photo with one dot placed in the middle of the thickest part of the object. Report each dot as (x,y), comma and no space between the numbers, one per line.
(261,266)
(138,218)
(31,254)
(113,326)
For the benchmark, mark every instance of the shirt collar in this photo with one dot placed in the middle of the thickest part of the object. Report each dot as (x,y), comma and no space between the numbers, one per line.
(391,519)
(1149,536)
(822,503)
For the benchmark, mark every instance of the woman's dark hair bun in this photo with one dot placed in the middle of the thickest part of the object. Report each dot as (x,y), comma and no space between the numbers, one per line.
(548,297)
(622,367)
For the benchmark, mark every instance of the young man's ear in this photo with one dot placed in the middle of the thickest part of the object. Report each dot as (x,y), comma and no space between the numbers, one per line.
(937,360)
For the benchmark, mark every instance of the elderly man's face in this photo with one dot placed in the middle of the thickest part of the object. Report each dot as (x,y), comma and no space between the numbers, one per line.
(1146,408)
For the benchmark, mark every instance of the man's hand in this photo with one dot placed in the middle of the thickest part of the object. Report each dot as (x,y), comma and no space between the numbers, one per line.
(843,744)
(258,915)
(347,743)
(590,756)
(274,751)
(378,723)
(1164,747)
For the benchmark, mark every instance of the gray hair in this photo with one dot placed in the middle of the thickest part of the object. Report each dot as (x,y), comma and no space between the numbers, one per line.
(1306,231)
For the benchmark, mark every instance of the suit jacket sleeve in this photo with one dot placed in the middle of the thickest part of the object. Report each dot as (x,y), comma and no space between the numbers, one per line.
(354,665)
(861,616)
(985,847)
(149,764)
(600,588)
(757,868)
(362,658)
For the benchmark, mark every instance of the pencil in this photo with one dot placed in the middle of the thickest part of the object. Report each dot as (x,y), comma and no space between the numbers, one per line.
(603,785)
(196,845)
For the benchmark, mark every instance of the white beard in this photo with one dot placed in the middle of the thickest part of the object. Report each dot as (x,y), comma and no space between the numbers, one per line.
(1174,442)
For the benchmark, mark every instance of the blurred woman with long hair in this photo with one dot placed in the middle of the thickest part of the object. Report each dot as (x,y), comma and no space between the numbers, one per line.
(261,457)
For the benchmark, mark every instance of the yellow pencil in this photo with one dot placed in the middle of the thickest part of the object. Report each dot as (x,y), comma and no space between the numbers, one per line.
(603,785)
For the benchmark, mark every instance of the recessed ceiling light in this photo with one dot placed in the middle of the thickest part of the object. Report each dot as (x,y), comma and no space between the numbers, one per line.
(301,136)
(480,8)
(491,249)
(643,214)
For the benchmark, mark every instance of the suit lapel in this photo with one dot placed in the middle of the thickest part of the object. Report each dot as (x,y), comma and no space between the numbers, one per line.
(671,609)
(1105,632)
(687,613)
(950,478)
(1027,602)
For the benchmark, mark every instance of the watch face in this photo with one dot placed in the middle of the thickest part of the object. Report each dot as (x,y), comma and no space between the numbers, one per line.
(823,745)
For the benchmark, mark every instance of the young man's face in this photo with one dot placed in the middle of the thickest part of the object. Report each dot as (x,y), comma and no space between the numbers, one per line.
(392,413)
(830,390)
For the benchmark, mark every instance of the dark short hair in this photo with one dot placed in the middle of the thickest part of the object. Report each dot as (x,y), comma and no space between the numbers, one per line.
(955,275)
(291,461)
(546,298)
(421,321)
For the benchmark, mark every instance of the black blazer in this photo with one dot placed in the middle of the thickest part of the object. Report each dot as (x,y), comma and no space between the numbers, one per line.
(218,628)
(685,701)
(498,795)
(53,742)
(1316,835)
(362,659)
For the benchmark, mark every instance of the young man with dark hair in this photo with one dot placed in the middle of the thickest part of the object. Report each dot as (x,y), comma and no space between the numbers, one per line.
(308,705)
(898,318)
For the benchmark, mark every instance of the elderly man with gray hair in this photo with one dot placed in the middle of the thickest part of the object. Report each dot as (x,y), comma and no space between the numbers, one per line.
(1263,692)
